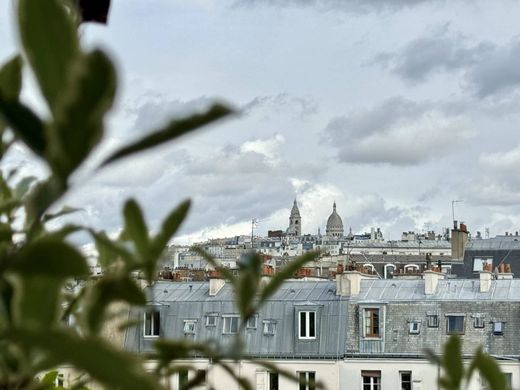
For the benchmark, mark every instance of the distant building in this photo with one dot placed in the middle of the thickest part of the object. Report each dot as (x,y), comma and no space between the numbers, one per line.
(295,221)
(334,224)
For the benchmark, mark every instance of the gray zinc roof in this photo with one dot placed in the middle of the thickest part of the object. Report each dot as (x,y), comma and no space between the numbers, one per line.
(447,290)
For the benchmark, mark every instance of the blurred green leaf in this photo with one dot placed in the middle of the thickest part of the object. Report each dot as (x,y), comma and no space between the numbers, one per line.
(41,197)
(50,42)
(110,289)
(11,79)
(135,227)
(79,113)
(170,226)
(26,125)
(49,378)
(490,371)
(65,210)
(109,251)
(115,370)
(174,129)
(248,283)
(49,257)
(23,186)
(226,273)
(285,272)
(452,362)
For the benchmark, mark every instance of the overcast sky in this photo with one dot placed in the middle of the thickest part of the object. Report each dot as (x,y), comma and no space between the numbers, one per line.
(392,108)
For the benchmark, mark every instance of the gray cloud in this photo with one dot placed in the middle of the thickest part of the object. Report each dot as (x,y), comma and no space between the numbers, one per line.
(424,56)
(353,6)
(397,132)
(267,105)
(487,68)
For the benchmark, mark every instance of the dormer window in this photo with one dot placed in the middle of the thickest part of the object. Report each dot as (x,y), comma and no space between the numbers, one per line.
(189,326)
(371,318)
(230,324)
(414,327)
(152,323)
(307,324)
(269,327)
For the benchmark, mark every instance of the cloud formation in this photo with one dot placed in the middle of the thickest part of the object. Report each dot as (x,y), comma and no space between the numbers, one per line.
(353,6)
(396,132)
(487,68)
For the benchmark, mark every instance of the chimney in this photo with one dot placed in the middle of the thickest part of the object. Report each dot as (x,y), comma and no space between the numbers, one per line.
(431,280)
(485,281)
(349,283)
(215,285)
(459,238)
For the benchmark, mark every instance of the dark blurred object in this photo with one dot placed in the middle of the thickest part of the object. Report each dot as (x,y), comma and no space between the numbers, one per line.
(94,10)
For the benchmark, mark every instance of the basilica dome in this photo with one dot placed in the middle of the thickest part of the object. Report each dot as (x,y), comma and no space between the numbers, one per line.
(334,224)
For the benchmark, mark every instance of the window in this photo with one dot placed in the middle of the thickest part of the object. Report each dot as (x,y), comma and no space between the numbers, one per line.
(230,324)
(371,323)
(371,380)
(273,381)
(269,327)
(307,325)
(307,380)
(252,322)
(455,324)
(498,328)
(478,263)
(433,320)
(414,327)
(478,321)
(189,326)
(406,380)
(211,319)
(152,321)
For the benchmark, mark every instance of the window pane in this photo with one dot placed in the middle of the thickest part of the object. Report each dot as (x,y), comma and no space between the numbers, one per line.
(312,324)
(375,319)
(147,324)
(273,381)
(156,323)
(303,327)
(303,379)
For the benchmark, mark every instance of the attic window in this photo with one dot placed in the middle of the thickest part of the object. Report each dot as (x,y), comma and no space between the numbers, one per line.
(269,327)
(211,319)
(433,320)
(230,324)
(252,322)
(498,328)
(152,323)
(189,326)
(478,321)
(414,327)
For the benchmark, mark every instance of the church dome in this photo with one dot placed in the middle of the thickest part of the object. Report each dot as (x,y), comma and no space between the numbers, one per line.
(334,224)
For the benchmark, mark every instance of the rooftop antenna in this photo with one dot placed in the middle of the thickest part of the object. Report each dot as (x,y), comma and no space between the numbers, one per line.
(453,208)
(486,232)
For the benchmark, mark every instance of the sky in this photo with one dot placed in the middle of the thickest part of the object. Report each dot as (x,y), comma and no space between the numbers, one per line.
(391,108)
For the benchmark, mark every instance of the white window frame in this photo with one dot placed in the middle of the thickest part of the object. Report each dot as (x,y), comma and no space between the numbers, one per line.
(374,381)
(306,314)
(252,322)
(479,321)
(433,320)
(372,335)
(213,321)
(498,328)
(227,322)
(307,376)
(407,382)
(448,322)
(269,327)
(189,327)
(150,332)
(414,327)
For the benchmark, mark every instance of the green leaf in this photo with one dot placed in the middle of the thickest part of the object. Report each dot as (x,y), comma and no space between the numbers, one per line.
(79,113)
(65,210)
(112,368)
(49,378)
(26,125)
(168,229)
(23,186)
(286,272)
(36,300)
(49,257)
(248,283)
(490,370)
(174,129)
(135,227)
(11,79)
(50,42)
(109,289)
(109,251)
(452,362)
(41,197)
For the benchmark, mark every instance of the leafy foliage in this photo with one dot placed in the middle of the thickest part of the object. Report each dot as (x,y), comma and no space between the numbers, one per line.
(44,281)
